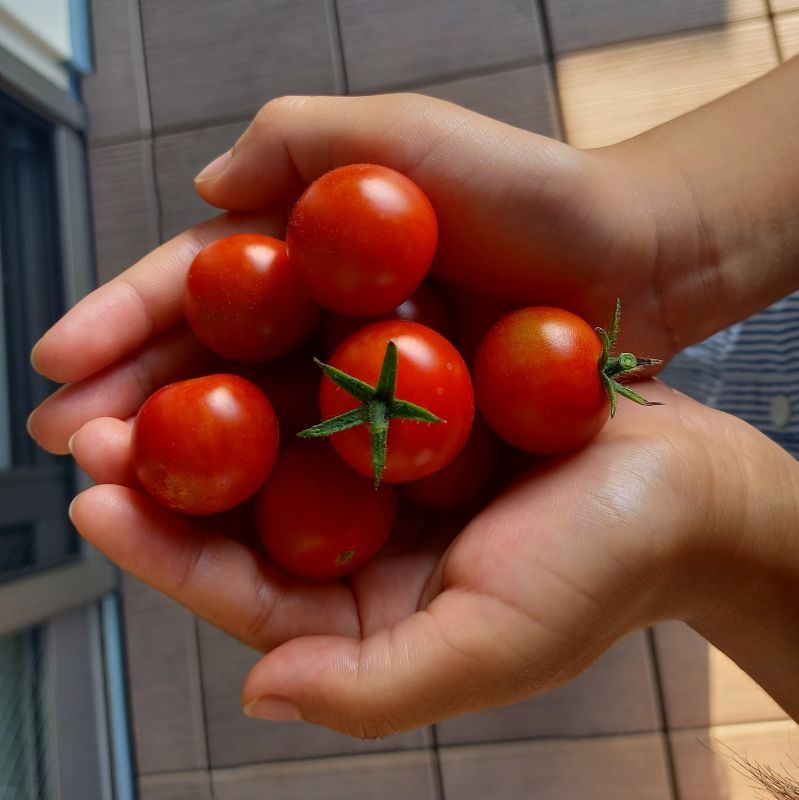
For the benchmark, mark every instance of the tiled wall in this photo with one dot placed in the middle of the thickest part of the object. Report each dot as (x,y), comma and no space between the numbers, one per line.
(176,83)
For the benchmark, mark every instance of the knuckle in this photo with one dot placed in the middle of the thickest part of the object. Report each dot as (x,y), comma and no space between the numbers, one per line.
(276,108)
(370,728)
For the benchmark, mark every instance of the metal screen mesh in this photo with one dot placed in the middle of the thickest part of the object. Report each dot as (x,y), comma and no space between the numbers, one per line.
(23,719)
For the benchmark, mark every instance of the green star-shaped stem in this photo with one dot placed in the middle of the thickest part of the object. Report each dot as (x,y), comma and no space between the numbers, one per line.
(611,365)
(378,407)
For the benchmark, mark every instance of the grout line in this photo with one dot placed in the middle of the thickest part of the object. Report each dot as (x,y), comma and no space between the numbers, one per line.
(151,137)
(679,33)
(198,655)
(773,20)
(549,46)
(438,775)
(668,750)
(242,119)
(340,78)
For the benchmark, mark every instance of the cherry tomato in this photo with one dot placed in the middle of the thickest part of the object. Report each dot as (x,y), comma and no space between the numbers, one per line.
(245,301)
(427,306)
(430,373)
(464,478)
(317,518)
(537,380)
(205,445)
(363,237)
(292,386)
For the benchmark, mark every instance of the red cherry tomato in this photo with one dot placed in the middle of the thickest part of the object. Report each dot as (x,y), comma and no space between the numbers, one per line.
(430,373)
(464,478)
(537,380)
(205,445)
(427,306)
(245,301)
(317,518)
(363,237)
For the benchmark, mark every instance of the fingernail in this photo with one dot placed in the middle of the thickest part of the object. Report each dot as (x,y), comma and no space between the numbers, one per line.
(33,355)
(29,426)
(274,708)
(215,168)
(71,505)
(69,442)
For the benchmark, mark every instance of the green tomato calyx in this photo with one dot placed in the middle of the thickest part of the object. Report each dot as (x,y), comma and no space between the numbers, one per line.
(624,364)
(378,407)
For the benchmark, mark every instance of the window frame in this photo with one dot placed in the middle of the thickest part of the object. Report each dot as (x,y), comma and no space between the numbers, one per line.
(75,605)
(32,599)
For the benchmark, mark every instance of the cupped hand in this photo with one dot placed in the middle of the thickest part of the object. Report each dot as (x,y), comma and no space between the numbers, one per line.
(572,556)
(537,585)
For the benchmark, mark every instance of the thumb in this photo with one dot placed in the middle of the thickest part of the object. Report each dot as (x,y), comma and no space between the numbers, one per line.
(445,660)
(294,140)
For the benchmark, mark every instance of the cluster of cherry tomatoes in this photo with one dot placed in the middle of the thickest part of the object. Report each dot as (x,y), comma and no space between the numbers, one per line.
(342,401)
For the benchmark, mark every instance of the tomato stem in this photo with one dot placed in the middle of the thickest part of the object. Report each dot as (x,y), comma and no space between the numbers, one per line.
(623,364)
(378,407)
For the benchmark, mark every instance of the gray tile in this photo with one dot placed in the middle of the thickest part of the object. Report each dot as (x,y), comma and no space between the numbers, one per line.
(116,94)
(395,776)
(576,24)
(176,786)
(178,158)
(387,43)
(701,686)
(615,695)
(521,97)
(164,681)
(632,767)
(124,205)
(208,60)
(235,739)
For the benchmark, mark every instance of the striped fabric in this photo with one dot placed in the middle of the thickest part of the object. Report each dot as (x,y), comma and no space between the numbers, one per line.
(751,370)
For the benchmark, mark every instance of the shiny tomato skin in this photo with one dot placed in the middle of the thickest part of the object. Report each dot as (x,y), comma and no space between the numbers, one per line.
(427,306)
(245,301)
(362,237)
(430,373)
(537,380)
(465,478)
(205,445)
(317,518)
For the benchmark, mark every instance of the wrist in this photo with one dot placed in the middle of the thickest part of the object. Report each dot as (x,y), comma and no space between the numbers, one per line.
(739,577)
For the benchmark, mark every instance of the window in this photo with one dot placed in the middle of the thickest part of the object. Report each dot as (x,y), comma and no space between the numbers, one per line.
(34,486)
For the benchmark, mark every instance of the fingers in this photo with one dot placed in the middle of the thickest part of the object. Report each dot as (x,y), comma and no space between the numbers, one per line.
(218,578)
(102,448)
(445,660)
(119,390)
(143,301)
(294,140)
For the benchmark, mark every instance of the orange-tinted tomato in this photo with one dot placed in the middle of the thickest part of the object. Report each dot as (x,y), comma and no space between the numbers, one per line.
(537,380)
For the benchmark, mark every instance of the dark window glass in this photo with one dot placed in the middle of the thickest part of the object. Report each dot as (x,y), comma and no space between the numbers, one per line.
(34,486)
